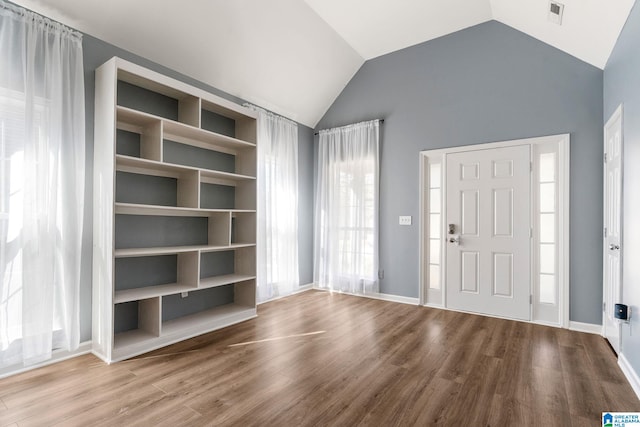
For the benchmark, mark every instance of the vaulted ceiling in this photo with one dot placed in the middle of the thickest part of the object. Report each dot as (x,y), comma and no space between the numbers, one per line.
(294,57)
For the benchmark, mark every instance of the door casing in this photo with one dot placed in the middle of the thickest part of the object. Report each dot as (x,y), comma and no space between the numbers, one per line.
(611,329)
(437,299)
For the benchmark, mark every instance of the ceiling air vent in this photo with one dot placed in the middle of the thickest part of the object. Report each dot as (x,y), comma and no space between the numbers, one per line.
(555,12)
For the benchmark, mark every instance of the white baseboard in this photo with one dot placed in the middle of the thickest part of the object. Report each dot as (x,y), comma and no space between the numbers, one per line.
(56,356)
(301,288)
(550,324)
(630,373)
(393,298)
(384,297)
(432,305)
(590,328)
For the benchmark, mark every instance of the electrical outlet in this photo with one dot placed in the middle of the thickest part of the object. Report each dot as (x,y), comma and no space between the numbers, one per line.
(404,220)
(184,294)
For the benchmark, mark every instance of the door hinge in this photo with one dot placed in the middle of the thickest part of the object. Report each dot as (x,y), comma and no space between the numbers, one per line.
(604,307)
(530,232)
(605,232)
(605,157)
(530,299)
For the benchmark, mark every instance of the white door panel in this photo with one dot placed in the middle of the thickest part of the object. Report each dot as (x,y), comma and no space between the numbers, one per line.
(488,254)
(503,275)
(470,213)
(470,272)
(612,221)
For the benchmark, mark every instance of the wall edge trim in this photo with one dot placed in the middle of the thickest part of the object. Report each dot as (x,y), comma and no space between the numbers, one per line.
(590,328)
(393,298)
(301,288)
(629,373)
(56,357)
(379,296)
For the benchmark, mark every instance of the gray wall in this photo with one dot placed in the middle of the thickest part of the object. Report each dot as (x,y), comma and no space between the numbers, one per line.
(96,52)
(622,86)
(483,84)
(305,203)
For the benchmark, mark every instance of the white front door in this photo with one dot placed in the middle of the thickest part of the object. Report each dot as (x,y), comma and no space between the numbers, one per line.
(612,215)
(488,225)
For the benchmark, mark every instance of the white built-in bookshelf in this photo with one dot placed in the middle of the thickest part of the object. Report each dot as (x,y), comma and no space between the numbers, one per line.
(174,211)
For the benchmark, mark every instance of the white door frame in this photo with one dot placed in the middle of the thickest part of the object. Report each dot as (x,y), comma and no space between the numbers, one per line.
(437,297)
(617,115)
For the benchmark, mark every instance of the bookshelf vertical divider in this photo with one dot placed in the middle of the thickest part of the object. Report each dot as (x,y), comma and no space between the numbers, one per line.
(174,252)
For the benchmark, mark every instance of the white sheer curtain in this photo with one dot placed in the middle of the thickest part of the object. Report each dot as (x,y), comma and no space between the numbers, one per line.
(346,219)
(41,185)
(277,250)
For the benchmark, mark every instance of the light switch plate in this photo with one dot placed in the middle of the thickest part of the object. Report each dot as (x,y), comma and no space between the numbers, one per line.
(404,220)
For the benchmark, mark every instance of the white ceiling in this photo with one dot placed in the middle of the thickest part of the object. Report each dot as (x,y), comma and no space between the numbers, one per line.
(294,57)
(376,27)
(589,28)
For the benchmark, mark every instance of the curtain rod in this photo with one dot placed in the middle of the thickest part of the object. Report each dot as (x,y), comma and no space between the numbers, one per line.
(379,121)
(44,20)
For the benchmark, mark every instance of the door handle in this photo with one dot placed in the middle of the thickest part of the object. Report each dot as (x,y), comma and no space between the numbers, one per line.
(455,240)
(613,247)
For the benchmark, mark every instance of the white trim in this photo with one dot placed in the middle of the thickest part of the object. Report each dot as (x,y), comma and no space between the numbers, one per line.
(379,296)
(422,248)
(500,144)
(590,328)
(564,250)
(563,141)
(545,323)
(493,316)
(434,305)
(630,373)
(617,114)
(393,298)
(100,356)
(574,326)
(301,288)
(56,357)
(533,322)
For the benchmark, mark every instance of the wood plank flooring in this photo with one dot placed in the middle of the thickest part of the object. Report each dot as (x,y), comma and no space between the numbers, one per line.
(321,359)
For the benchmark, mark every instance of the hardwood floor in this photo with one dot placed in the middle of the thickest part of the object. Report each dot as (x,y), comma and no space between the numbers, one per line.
(319,359)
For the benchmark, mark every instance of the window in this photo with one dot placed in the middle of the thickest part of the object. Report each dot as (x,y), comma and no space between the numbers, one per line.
(551,230)
(42,185)
(346,220)
(277,249)
(435,215)
(547,212)
(356,235)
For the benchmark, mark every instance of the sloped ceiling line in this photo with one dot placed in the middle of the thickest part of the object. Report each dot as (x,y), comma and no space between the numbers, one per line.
(294,57)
